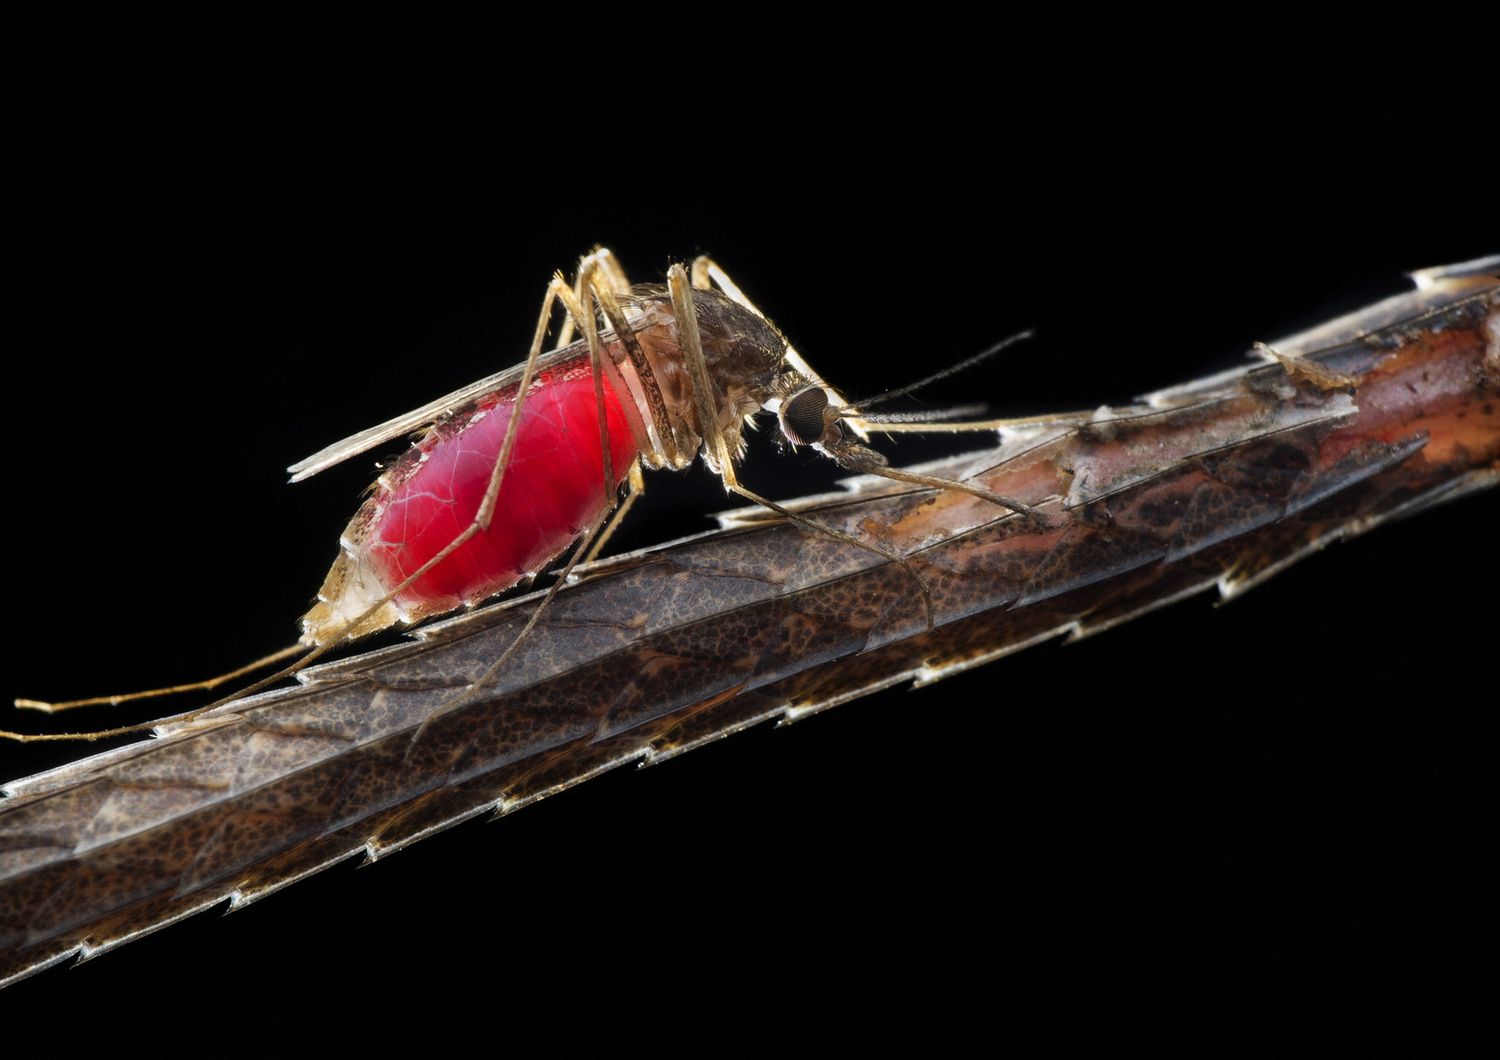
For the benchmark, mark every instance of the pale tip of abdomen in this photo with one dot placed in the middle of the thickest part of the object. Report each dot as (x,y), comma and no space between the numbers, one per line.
(350,604)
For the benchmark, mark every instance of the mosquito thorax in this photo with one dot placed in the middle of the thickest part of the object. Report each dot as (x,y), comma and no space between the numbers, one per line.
(742,353)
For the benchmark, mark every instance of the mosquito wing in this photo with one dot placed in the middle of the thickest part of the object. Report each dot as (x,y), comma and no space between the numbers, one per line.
(418,418)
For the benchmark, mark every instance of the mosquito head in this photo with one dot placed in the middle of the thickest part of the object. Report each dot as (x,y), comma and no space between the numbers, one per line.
(807,417)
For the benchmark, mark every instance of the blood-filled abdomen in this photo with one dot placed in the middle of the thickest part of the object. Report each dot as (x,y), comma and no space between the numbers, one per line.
(552,492)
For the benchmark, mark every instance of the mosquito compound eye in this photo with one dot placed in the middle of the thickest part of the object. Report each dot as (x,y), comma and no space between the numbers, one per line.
(802,416)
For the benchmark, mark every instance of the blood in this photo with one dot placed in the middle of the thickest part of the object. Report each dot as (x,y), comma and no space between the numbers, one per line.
(552,492)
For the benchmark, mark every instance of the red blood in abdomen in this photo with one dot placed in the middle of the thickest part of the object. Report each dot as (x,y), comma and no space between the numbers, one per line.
(552,492)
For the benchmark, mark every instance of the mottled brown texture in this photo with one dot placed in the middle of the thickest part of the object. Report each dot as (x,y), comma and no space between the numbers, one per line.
(1216,483)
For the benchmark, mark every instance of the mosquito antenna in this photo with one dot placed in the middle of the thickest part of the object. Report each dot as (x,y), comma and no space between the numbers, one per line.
(857,408)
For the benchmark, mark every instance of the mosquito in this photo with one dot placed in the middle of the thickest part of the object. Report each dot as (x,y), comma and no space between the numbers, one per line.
(512,469)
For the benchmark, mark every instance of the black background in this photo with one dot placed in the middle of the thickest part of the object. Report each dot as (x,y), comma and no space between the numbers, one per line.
(228,261)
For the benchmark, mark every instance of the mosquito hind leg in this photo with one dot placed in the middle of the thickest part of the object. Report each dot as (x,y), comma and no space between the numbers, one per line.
(635,487)
(206,685)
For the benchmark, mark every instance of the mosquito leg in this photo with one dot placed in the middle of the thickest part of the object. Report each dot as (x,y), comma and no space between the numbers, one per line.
(313,653)
(495,667)
(562,579)
(703,281)
(839,535)
(565,333)
(714,446)
(306,660)
(589,287)
(603,295)
(588,545)
(608,295)
(692,348)
(206,685)
(708,273)
(870,467)
(636,486)
(559,290)
(603,261)
(609,266)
